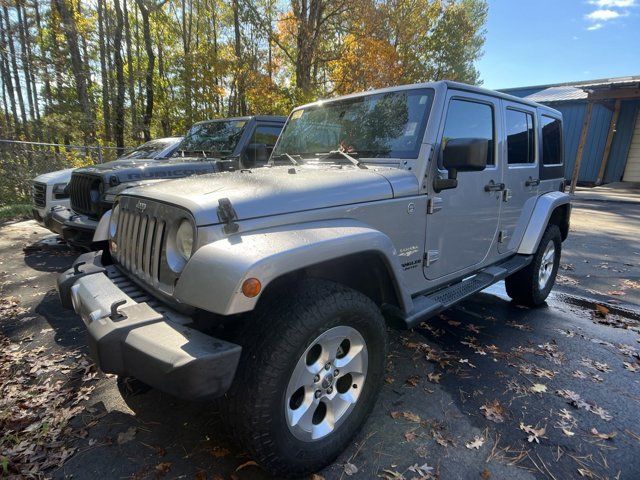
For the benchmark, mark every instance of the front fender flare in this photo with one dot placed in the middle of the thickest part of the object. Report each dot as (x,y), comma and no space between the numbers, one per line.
(102,230)
(213,277)
(539,220)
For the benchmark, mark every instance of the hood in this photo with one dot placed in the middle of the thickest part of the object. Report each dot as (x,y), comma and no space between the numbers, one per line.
(147,169)
(51,178)
(279,190)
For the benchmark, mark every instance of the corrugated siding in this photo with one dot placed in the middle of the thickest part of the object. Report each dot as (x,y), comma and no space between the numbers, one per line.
(629,110)
(573,114)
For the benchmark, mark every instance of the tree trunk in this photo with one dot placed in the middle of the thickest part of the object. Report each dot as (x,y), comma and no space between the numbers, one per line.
(131,85)
(48,94)
(33,66)
(187,23)
(24,58)
(151,59)
(77,66)
(118,127)
(6,75)
(241,104)
(16,75)
(106,104)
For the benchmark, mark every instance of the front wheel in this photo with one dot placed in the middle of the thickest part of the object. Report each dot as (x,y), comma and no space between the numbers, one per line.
(531,285)
(311,370)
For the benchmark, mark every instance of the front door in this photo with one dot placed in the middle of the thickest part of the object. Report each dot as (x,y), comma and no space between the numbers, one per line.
(463,222)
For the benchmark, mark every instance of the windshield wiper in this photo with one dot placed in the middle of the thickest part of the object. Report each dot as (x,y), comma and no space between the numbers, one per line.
(355,161)
(289,157)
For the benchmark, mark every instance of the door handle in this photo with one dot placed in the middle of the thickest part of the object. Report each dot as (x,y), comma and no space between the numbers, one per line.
(494,187)
(532,183)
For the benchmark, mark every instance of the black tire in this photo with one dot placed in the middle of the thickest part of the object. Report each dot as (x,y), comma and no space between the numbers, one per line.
(523,286)
(273,342)
(131,387)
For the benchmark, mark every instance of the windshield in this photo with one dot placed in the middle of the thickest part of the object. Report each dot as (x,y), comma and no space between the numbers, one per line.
(212,138)
(149,149)
(379,125)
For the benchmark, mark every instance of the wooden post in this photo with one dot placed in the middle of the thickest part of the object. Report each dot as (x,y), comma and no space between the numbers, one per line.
(583,139)
(607,145)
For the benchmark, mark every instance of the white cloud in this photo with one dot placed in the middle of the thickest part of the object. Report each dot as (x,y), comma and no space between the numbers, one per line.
(595,26)
(603,15)
(614,3)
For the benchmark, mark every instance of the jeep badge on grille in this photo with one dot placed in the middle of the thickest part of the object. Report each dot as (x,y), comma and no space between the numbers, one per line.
(141,206)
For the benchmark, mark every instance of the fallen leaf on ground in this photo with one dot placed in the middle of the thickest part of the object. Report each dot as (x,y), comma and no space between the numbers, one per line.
(434,377)
(476,443)
(350,469)
(493,411)
(631,366)
(410,436)
(163,467)
(412,417)
(413,380)
(539,388)
(603,436)
(124,437)
(219,452)
(250,463)
(423,470)
(534,433)
(601,311)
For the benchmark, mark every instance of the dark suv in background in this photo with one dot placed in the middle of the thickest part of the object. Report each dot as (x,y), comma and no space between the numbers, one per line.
(209,146)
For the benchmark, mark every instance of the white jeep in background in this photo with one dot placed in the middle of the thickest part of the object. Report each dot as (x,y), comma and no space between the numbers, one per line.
(48,191)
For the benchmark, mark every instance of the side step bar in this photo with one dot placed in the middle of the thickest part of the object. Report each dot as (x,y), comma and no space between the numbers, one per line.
(433,303)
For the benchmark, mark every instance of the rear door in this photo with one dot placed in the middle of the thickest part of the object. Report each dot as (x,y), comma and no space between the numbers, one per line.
(520,170)
(461,233)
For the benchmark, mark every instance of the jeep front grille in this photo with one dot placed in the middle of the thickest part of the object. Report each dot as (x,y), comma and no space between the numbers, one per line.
(39,194)
(139,239)
(80,189)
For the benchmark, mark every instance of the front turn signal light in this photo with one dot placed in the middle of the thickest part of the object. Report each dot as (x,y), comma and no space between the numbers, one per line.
(251,287)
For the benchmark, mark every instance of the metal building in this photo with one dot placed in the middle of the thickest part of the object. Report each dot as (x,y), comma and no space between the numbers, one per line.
(601,126)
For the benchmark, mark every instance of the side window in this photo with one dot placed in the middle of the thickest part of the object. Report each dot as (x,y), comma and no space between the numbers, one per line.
(520,137)
(469,119)
(266,135)
(551,141)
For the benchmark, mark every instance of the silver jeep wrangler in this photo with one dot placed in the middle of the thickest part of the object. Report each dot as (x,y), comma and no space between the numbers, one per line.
(270,287)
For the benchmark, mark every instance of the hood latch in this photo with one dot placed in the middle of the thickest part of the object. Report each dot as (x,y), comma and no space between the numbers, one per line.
(227,215)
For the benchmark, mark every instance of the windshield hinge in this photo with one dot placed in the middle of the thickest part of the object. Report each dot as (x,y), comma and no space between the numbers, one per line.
(227,215)
(434,204)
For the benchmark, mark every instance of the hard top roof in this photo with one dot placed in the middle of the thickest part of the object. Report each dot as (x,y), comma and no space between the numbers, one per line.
(448,84)
(246,118)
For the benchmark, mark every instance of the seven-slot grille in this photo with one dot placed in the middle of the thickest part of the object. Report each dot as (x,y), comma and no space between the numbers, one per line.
(39,194)
(80,193)
(139,239)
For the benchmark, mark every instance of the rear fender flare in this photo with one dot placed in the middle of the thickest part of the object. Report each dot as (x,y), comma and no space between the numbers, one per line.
(539,220)
(213,277)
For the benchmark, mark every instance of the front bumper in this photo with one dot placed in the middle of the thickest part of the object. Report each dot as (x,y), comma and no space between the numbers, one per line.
(74,228)
(131,333)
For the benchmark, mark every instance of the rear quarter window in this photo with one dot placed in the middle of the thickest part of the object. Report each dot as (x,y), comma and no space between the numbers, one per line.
(551,141)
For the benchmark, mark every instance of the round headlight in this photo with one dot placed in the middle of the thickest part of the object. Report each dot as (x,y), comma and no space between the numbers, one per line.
(184,239)
(113,221)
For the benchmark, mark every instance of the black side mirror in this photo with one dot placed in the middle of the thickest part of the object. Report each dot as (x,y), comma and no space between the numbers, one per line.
(255,154)
(462,155)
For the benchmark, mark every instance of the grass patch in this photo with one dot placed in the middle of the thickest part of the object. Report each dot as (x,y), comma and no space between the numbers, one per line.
(15,212)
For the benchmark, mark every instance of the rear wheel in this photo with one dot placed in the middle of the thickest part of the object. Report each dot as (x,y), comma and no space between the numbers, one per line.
(532,285)
(310,373)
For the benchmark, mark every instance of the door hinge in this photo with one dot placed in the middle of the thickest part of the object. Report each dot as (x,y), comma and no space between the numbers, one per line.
(431,256)
(434,204)
(503,236)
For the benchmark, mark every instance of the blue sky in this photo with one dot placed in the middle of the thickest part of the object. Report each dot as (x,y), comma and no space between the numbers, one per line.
(532,42)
